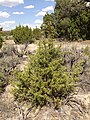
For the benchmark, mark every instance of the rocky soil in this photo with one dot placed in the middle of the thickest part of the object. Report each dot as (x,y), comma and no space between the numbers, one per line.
(75,107)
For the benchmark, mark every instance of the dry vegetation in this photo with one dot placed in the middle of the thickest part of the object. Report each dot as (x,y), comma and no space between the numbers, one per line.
(75,106)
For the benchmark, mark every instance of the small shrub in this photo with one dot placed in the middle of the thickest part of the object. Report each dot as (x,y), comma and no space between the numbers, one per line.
(3,81)
(46,81)
(8,61)
(22,34)
(36,33)
(1,41)
(87,51)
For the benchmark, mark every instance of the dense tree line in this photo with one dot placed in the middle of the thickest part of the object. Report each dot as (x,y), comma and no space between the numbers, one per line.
(70,20)
(25,34)
(37,33)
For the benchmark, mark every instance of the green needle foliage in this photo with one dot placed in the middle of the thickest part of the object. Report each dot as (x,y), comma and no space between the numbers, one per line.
(1,41)
(46,81)
(70,20)
(36,33)
(22,34)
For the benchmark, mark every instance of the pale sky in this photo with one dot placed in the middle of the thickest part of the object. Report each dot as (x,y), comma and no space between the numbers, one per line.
(23,12)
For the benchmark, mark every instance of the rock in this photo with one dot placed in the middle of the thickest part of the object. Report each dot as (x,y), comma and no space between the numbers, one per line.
(22,66)
(19,48)
(10,42)
(31,48)
(25,49)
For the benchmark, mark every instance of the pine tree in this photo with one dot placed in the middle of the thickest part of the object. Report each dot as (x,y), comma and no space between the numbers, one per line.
(46,81)
(72,19)
(48,26)
(37,33)
(22,34)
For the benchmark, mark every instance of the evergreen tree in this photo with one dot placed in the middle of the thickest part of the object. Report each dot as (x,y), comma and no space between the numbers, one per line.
(1,28)
(36,33)
(48,26)
(22,34)
(46,81)
(72,19)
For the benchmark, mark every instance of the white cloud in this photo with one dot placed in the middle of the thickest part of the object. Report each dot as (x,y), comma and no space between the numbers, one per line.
(11,3)
(44,10)
(41,13)
(4,14)
(49,0)
(29,6)
(49,8)
(7,24)
(38,22)
(18,13)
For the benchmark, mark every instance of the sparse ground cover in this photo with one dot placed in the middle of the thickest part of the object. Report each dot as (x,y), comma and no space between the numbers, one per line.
(47,80)
(76,48)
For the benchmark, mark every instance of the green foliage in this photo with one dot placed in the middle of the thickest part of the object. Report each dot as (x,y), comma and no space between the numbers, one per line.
(1,28)
(70,20)
(5,33)
(47,80)
(87,51)
(1,41)
(48,26)
(75,17)
(36,33)
(2,82)
(22,34)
